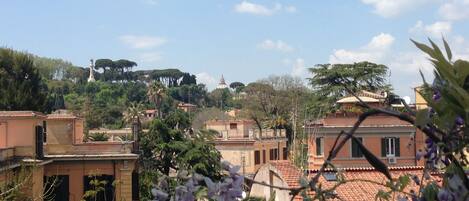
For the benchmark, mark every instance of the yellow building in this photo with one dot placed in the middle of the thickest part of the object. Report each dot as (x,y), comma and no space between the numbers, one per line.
(241,143)
(420,102)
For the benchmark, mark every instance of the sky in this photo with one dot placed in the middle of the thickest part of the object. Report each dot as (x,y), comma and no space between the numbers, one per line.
(243,40)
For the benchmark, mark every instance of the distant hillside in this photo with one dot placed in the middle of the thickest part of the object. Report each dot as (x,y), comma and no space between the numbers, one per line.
(58,69)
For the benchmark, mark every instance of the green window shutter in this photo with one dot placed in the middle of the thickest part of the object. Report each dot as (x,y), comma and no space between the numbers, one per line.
(383,147)
(398,147)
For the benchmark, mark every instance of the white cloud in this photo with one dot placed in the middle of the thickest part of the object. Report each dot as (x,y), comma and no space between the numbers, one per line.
(381,41)
(410,62)
(417,28)
(150,57)
(278,45)
(391,8)
(259,9)
(437,29)
(206,79)
(142,42)
(454,10)
(299,68)
(374,51)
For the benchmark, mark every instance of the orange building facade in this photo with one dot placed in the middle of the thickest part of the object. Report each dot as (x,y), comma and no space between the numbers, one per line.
(58,162)
(394,141)
(241,143)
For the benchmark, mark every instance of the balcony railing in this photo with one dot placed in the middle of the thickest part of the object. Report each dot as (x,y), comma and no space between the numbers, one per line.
(90,148)
(252,134)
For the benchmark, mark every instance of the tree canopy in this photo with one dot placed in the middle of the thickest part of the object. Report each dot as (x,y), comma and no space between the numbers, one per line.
(21,86)
(328,82)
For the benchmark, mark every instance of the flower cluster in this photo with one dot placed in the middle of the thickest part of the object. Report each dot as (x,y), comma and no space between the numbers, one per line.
(230,188)
(227,189)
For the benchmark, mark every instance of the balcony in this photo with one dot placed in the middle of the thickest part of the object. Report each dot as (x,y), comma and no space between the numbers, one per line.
(252,134)
(90,148)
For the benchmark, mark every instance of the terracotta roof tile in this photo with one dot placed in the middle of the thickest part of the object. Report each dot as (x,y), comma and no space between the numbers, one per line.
(358,188)
(290,173)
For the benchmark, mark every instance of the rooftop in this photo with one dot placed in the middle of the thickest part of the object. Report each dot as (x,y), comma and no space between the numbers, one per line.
(10,114)
(363,182)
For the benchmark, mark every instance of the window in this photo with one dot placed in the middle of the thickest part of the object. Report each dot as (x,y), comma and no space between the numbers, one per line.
(263,156)
(44,126)
(390,146)
(58,186)
(233,126)
(257,157)
(273,154)
(39,142)
(135,187)
(319,146)
(108,191)
(356,151)
(285,153)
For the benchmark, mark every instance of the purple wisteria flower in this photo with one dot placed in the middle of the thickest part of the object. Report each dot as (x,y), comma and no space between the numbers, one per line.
(445,195)
(459,121)
(436,95)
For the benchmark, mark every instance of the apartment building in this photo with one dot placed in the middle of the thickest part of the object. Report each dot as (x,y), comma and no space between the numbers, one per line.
(241,143)
(394,141)
(59,162)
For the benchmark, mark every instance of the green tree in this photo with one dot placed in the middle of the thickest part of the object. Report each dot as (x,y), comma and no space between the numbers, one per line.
(328,82)
(188,79)
(21,86)
(195,94)
(105,64)
(123,65)
(132,116)
(156,92)
(237,86)
(220,98)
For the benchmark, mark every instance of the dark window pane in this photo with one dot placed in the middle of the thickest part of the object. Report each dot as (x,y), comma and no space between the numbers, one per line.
(257,157)
(319,146)
(233,126)
(356,152)
(56,188)
(263,156)
(106,194)
(285,153)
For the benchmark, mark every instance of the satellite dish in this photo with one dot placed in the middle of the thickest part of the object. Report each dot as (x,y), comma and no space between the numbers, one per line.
(406,99)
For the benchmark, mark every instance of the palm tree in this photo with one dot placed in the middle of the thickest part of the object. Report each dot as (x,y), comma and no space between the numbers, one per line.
(156,92)
(132,116)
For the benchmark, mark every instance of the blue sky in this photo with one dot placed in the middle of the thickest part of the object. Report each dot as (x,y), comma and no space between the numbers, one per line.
(243,40)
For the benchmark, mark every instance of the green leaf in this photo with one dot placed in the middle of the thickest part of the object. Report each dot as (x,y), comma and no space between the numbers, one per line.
(448,50)
(430,192)
(404,180)
(373,160)
(461,68)
(382,195)
(304,182)
(424,48)
(422,117)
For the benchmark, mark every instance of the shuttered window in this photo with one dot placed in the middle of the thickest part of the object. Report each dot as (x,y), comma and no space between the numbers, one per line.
(356,151)
(319,146)
(390,146)
(263,156)
(257,157)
